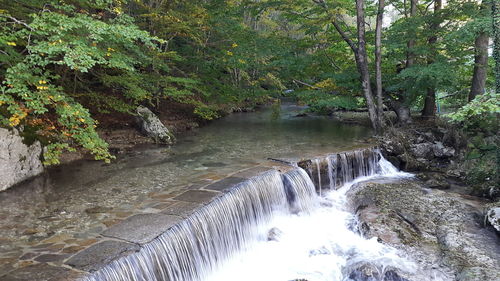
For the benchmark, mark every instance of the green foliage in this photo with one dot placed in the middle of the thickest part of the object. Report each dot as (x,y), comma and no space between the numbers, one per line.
(481,113)
(57,51)
(326,103)
(65,61)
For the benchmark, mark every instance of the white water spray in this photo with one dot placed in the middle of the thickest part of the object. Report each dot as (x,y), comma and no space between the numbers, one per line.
(273,227)
(318,245)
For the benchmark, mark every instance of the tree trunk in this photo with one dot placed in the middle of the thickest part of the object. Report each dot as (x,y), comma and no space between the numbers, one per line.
(480,65)
(410,56)
(480,57)
(402,112)
(495,15)
(430,98)
(362,63)
(361,59)
(378,61)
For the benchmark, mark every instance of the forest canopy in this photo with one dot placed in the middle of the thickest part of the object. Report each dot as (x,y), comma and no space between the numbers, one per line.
(64,62)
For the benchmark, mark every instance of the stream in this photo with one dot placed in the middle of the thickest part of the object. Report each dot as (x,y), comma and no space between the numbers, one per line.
(72,204)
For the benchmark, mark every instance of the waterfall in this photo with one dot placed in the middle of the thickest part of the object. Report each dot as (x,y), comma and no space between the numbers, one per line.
(201,243)
(321,244)
(335,170)
(318,170)
(238,220)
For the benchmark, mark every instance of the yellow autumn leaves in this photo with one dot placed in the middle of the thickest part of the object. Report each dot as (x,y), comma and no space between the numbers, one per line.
(41,87)
(110,50)
(15,119)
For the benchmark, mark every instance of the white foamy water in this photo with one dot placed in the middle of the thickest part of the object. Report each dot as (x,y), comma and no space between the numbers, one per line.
(272,227)
(317,244)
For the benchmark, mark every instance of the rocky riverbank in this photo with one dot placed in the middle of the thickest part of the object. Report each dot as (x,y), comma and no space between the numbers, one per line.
(444,232)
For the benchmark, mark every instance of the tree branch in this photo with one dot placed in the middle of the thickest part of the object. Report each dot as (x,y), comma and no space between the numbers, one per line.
(17,21)
(345,37)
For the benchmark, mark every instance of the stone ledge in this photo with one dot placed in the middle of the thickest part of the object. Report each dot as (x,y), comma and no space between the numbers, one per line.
(197,196)
(101,254)
(252,172)
(142,228)
(225,184)
(181,209)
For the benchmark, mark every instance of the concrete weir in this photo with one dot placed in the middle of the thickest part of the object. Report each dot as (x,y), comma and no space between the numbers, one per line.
(139,247)
(136,232)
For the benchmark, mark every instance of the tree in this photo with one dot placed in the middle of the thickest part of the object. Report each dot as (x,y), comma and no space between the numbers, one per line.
(430,98)
(495,12)
(361,58)
(378,61)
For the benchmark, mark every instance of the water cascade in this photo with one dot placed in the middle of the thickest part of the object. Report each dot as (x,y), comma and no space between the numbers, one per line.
(337,169)
(271,227)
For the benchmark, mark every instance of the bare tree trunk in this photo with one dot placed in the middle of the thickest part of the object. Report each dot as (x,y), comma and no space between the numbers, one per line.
(430,98)
(480,58)
(410,56)
(362,62)
(495,14)
(378,61)
(480,65)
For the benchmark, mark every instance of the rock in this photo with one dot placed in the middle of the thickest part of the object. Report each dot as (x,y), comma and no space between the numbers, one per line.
(494,192)
(368,272)
(440,230)
(18,161)
(142,228)
(274,234)
(151,126)
(493,217)
(101,254)
(440,150)
(422,150)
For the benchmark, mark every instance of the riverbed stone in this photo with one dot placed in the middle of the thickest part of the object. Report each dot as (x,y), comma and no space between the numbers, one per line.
(142,228)
(182,209)
(100,254)
(18,161)
(51,258)
(38,272)
(225,184)
(197,196)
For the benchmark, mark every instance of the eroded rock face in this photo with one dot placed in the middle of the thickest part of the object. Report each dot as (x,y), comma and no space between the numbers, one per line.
(151,126)
(442,231)
(18,161)
(493,217)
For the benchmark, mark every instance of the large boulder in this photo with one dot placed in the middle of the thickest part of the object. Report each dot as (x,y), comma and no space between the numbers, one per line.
(493,217)
(442,231)
(18,161)
(151,126)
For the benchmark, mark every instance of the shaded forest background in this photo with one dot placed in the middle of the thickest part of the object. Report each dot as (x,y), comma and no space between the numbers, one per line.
(66,65)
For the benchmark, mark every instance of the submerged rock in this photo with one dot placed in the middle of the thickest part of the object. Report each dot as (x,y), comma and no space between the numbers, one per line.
(442,231)
(274,234)
(151,126)
(369,272)
(18,161)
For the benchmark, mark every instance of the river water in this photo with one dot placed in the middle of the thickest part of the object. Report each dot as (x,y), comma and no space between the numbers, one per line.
(319,243)
(74,203)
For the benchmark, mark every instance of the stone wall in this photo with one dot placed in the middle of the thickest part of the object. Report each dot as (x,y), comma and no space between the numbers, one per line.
(18,161)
